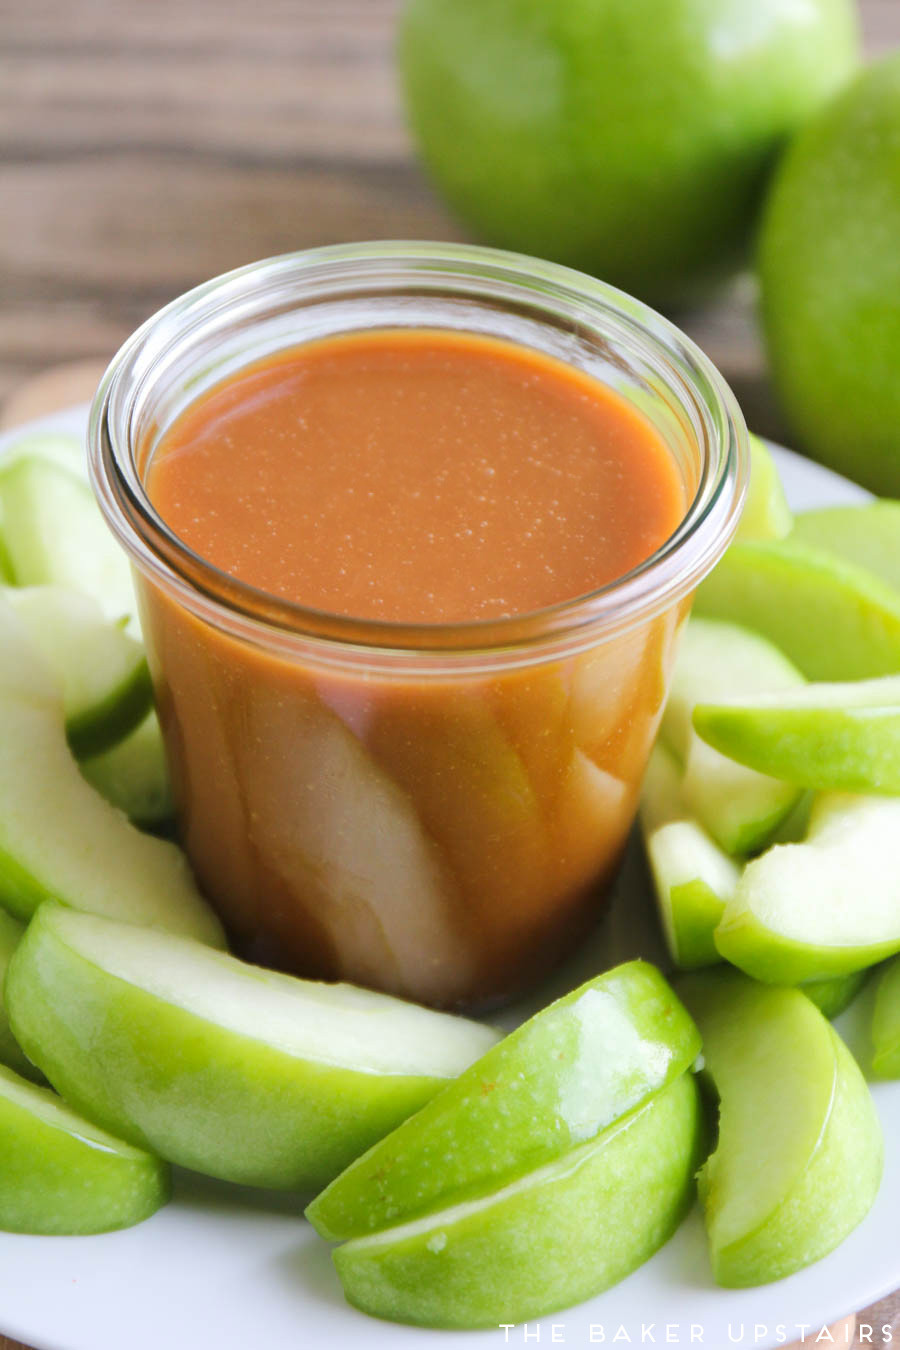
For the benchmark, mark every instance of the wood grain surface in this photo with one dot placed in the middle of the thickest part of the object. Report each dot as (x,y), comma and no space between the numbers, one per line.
(145,147)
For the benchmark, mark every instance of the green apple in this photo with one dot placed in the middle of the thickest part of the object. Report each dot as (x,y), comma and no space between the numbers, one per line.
(825,907)
(558,1235)
(545,1090)
(799,1154)
(829,274)
(10,1051)
(867,535)
(61,1174)
(833,996)
(232,1070)
(133,775)
(833,619)
(54,535)
(573,130)
(59,839)
(886,1023)
(692,877)
(739,807)
(766,514)
(823,736)
(58,447)
(102,671)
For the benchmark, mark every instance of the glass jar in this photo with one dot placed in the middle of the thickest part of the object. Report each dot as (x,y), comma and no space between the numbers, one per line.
(432,810)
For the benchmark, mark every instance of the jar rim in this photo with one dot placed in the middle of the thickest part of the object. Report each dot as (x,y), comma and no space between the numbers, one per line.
(670,573)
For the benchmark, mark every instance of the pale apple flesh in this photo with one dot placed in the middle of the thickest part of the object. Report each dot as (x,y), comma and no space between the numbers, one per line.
(799,1155)
(867,535)
(134,776)
(63,1175)
(827,906)
(558,1235)
(552,1084)
(842,737)
(232,1070)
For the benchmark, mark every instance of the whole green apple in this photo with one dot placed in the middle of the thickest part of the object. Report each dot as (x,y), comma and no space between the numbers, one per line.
(830,272)
(630,140)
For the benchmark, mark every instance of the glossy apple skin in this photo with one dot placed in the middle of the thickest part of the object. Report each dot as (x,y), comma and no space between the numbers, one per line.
(10,1051)
(833,619)
(572,130)
(830,737)
(562,1233)
(886,1023)
(789,920)
(221,1101)
(62,1175)
(833,996)
(799,1155)
(828,274)
(546,1088)
(766,514)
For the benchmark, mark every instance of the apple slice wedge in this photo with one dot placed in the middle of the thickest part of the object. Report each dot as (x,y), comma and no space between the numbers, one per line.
(799,1155)
(54,534)
(10,1051)
(102,671)
(833,996)
(59,839)
(134,776)
(867,535)
(886,1023)
(63,1175)
(235,1071)
(766,514)
(824,907)
(692,878)
(843,737)
(833,619)
(740,808)
(554,1083)
(556,1236)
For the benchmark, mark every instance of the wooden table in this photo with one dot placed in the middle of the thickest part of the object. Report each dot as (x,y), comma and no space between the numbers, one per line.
(145,147)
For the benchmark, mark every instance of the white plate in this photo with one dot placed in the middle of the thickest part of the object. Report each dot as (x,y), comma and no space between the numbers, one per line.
(228,1269)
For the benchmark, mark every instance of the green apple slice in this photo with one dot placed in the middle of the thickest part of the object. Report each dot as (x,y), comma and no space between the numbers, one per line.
(55,535)
(58,447)
(766,514)
(844,737)
(835,620)
(235,1071)
(825,907)
(556,1236)
(692,877)
(799,1155)
(133,775)
(739,807)
(59,839)
(886,1023)
(867,535)
(63,1175)
(10,1050)
(102,671)
(554,1083)
(832,996)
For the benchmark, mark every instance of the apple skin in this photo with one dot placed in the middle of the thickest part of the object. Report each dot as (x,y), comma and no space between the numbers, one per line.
(886,1023)
(838,737)
(834,620)
(831,997)
(555,1082)
(571,130)
(61,1175)
(10,1051)
(867,535)
(829,275)
(799,1155)
(212,1096)
(789,921)
(561,1234)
